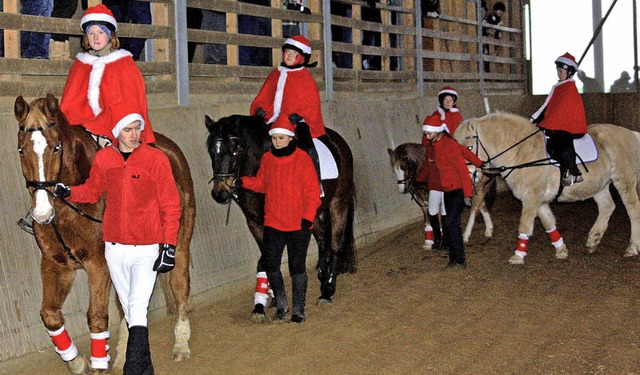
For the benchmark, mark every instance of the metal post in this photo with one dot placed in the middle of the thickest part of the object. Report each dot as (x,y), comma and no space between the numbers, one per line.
(635,47)
(480,48)
(328,50)
(419,67)
(182,54)
(598,55)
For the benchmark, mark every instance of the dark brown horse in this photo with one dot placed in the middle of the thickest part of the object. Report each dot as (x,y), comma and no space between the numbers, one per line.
(236,144)
(51,151)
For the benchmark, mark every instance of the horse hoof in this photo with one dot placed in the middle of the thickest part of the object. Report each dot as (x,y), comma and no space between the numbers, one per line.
(179,356)
(516,259)
(630,253)
(324,301)
(590,250)
(97,371)
(78,365)
(562,253)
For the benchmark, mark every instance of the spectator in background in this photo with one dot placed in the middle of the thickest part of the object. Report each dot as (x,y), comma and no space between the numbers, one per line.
(214,53)
(35,45)
(291,28)
(131,11)
(622,84)
(59,48)
(495,18)
(254,56)
(371,38)
(341,34)
(589,84)
(430,8)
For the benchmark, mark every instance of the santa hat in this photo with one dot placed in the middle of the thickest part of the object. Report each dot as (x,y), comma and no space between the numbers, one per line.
(100,15)
(124,114)
(433,124)
(282,126)
(298,43)
(447,90)
(567,61)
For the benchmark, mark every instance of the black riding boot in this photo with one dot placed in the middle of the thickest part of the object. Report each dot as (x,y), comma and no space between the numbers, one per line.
(299,294)
(279,294)
(138,360)
(437,235)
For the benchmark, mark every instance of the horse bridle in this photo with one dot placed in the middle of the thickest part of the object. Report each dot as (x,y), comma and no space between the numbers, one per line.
(223,176)
(410,182)
(502,169)
(45,185)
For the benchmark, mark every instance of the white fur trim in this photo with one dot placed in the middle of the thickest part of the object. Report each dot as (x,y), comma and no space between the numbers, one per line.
(566,61)
(435,129)
(521,254)
(101,363)
(281,131)
(97,71)
(98,17)
(303,47)
(100,335)
(126,120)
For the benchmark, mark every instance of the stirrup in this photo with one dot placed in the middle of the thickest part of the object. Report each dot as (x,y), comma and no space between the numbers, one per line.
(26,224)
(570,179)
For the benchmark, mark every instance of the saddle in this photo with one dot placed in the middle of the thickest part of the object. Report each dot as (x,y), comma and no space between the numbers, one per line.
(328,165)
(585,147)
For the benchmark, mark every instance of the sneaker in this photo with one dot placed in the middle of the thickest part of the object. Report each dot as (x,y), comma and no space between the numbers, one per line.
(295,318)
(456,266)
(281,315)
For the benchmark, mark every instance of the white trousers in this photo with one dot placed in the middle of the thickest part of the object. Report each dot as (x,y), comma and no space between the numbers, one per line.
(436,203)
(133,277)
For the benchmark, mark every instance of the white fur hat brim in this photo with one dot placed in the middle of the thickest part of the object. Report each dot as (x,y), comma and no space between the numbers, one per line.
(126,120)
(434,129)
(281,131)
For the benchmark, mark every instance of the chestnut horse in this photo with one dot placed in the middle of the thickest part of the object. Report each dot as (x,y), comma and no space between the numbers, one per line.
(407,159)
(70,237)
(516,148)
(236,145)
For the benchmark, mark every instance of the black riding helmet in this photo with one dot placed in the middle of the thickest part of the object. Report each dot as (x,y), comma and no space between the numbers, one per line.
(300,44)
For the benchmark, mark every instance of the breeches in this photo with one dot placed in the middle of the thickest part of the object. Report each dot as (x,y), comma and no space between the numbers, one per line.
(131,270)
(436,203)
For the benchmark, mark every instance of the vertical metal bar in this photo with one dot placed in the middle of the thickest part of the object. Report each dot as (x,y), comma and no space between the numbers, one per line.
(419,67)
(182,55)
(635,47)
(480,48)
(598,55)
(328,49)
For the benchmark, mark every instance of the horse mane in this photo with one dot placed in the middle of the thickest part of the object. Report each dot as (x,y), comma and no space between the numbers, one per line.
(412,152)
(510,122)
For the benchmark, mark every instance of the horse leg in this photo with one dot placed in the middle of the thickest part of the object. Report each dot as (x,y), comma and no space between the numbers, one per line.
(179,282)
(629,196)
(428,229)
(261,294)
(527,218)
(56,284)
(98,312)
(549,223)
(606,206)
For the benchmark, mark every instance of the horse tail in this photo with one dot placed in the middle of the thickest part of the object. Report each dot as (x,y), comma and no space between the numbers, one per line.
(346,257)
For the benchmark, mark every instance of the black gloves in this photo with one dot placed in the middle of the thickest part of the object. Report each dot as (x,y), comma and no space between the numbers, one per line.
(295,118)
(260,112)
(237,182)
(306,224)
(62,191)
(167,258)
(467,201)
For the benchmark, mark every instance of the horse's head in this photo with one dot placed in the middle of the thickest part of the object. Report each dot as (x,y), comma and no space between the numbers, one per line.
(40,149)
(405,161)
(235,145)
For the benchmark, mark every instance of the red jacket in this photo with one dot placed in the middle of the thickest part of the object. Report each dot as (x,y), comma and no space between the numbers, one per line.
(142,202)
(452,118)
(450,160)
(96,83)
(290,185)
(429,172)
(563,109)
(287,91)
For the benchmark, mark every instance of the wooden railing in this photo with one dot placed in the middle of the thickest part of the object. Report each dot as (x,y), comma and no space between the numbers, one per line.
(449,50)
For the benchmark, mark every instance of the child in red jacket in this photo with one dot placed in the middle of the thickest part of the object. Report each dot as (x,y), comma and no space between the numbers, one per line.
(563,119)
(288,179)
(454,179)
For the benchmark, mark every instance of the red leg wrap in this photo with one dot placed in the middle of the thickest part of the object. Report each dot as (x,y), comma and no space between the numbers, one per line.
(262,285)
(62,341)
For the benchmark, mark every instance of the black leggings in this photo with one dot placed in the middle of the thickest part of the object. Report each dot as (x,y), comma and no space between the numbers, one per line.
(297,243)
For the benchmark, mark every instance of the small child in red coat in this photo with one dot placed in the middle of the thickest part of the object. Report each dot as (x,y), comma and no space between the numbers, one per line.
(454,179)
(288,179)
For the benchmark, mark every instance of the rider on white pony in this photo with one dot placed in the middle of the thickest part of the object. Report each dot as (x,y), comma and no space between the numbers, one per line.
(563,119)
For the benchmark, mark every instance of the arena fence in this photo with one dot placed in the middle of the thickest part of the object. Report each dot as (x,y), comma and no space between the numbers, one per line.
(360,46)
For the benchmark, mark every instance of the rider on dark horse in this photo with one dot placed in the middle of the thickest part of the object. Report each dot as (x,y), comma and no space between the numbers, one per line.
(563,119)
(291,91)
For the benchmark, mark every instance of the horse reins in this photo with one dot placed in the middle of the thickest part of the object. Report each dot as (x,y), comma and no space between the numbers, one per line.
(45,185)
(501,169)
(222,176)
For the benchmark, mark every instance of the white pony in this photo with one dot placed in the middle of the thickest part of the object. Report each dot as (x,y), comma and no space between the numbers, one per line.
(515,147)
